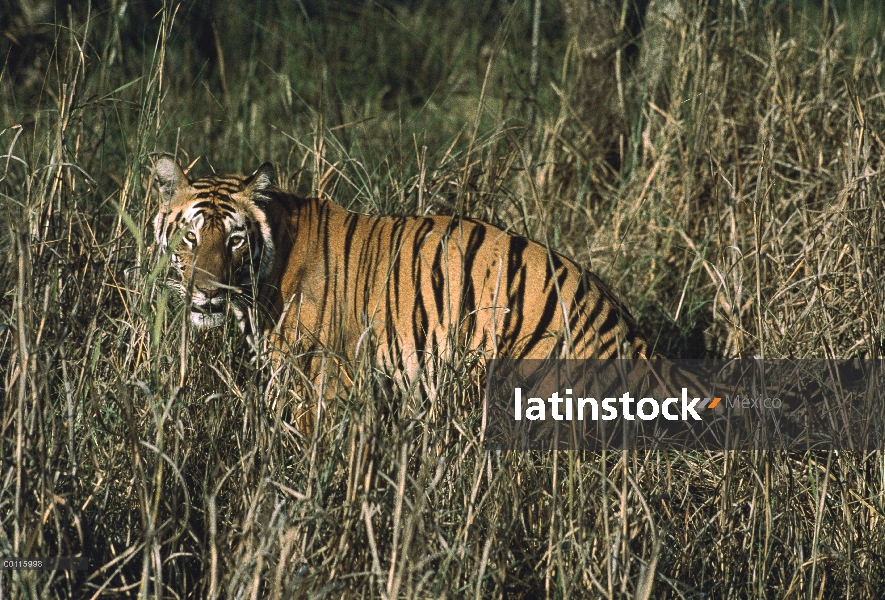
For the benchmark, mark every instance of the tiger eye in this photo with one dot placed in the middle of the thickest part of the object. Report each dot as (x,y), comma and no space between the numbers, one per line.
(191,237)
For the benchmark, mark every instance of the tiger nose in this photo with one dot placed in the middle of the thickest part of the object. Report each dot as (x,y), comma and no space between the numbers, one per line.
(211,292)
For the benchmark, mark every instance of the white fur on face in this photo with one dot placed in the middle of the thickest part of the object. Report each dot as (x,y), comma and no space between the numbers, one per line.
(206,320)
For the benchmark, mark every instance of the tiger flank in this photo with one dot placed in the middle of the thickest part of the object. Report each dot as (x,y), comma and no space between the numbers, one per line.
(402,288)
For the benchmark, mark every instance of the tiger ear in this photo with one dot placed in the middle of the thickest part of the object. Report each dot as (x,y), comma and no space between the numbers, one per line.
(169,177)
(261,180)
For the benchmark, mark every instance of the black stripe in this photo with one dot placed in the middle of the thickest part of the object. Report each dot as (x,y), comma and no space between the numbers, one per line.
(612,320)
(605,349)
(578,306)
(419,327)
(543,325)
(515,253)
(515,317)
(367,264)
(515,287)
(214,209)
(395,251)
(323,235)
(468,293)
(438,282)
(595,311)
(554,265)
(351,221)
(424,227)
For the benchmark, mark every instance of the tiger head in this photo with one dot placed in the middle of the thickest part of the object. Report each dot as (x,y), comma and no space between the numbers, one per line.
(225,248)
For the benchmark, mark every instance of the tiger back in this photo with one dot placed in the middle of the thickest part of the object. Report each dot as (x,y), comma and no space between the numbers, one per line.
(404,289)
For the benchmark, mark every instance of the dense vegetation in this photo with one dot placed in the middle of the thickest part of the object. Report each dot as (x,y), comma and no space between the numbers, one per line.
(717,162)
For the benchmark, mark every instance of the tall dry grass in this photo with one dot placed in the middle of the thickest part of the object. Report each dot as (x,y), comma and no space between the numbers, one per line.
(737,212)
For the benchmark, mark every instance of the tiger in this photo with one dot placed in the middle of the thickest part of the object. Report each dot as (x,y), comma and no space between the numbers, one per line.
(403,288)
